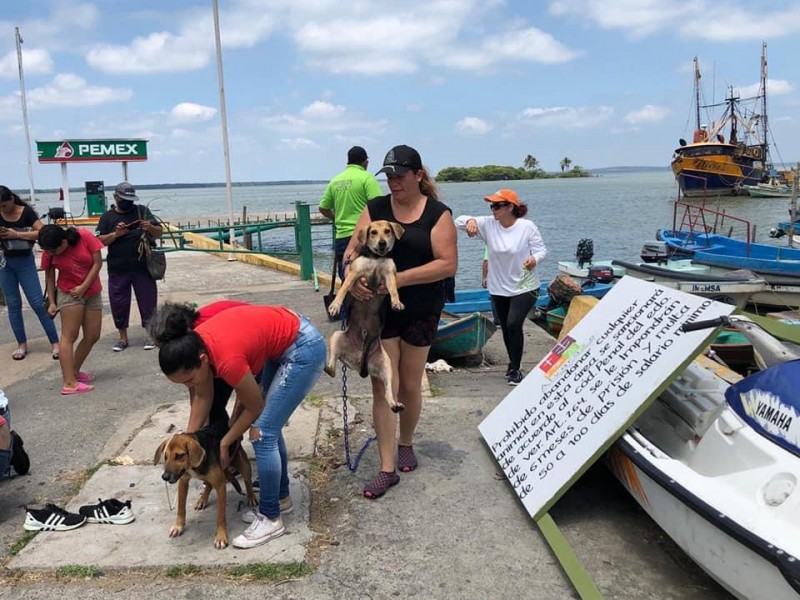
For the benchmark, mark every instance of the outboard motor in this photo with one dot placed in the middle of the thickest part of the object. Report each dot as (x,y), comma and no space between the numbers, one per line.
(584,252)
(655,252)
(601,274)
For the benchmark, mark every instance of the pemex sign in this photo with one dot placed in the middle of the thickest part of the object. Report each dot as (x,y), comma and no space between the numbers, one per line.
(66,151)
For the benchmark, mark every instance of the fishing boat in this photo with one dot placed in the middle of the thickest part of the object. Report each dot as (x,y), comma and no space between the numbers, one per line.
(731,287)
(479,300)
(715,461)
(711,165)
(459,337)
(770,189)
(723,251)
(586,267)
(579,270)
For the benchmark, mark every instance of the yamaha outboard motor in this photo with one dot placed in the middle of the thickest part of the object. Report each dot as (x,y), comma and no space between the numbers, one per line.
(584,252)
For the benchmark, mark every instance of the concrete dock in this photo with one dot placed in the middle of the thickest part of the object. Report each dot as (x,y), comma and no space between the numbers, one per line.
(452,529)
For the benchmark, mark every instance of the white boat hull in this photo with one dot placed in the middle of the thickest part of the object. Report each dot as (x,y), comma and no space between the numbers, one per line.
(735,293)
(727,495)
(581,270)
(737,568)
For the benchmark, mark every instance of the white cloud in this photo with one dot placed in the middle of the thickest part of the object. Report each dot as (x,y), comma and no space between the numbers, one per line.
(444,33)
(320,116)
(690,18)
(566,117)
(323,111)
(473,126)
(188,112)
(775,87)
(299,143)
(531,45)
(647,114)
(191,47)
(67,89)
(34,62)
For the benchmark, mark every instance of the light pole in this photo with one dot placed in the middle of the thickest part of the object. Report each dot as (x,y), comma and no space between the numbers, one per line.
(25,112)
(224,118)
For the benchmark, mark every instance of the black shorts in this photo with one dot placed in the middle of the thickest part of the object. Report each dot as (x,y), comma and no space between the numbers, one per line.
(415,330)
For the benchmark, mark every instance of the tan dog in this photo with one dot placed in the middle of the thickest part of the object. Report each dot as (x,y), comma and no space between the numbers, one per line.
(359,346)
(196,455)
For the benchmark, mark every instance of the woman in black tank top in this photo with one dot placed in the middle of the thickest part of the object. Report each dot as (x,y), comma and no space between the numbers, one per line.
(425,255)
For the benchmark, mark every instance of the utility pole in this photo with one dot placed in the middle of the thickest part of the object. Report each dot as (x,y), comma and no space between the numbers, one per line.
(25,112)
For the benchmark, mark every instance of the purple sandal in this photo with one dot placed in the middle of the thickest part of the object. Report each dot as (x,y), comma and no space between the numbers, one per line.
(382,482)
(406,459)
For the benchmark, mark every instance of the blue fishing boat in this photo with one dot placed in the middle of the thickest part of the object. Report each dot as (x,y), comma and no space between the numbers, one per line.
(478,300)
(723,251)
(461,337)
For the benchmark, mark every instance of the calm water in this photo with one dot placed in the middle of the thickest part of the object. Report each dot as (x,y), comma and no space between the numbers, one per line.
(618,211)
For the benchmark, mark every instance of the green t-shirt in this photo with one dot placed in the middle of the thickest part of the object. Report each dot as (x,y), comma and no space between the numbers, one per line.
(347,194)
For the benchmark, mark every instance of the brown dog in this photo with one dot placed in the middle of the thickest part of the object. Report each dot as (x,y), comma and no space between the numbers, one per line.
(359,346)
(196,455)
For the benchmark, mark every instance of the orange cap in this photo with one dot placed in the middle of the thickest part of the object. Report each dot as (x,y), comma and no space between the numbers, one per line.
(504,195)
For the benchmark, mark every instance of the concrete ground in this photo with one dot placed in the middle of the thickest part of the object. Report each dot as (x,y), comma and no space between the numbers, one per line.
(452,529)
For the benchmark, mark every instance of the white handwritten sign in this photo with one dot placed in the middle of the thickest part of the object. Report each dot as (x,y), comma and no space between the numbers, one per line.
(587,390)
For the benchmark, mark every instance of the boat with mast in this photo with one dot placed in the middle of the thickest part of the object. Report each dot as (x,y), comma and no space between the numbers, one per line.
(711,165)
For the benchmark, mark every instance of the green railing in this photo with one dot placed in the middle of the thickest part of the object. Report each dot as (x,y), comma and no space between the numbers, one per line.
(308,233)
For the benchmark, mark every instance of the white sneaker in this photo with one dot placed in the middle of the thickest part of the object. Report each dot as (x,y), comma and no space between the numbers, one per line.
(287,508)
(261,531)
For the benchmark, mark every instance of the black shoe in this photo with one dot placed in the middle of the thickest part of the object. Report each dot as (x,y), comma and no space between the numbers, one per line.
(515,377)
(111,512)
(19,458)
(51,518)
(508,372)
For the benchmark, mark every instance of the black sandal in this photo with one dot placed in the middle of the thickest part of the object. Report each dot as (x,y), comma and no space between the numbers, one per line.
(380,485)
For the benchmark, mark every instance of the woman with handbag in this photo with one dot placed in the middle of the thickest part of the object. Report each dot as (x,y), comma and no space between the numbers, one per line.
(19,226)
(75,254)
(124,228)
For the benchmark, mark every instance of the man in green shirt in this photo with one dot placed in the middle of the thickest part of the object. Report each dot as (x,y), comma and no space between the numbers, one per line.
(345,197)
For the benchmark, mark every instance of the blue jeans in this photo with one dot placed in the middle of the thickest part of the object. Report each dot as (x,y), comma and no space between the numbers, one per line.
(20,271)
(285,382)
(5,453)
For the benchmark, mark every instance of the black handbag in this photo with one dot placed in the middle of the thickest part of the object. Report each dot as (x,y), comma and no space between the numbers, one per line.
(328,298)
(156,260)
(156,264)
(16,246)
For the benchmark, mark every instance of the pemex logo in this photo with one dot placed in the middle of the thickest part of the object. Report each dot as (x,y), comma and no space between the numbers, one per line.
(64,150)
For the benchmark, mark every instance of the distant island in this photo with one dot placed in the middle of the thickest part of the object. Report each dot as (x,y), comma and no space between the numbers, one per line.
(530,169)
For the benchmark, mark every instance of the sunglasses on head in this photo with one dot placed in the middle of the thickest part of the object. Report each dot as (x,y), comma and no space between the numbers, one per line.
(498,205)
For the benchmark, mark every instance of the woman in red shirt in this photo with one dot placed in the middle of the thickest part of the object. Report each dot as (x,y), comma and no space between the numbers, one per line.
(75,254)
(236,345)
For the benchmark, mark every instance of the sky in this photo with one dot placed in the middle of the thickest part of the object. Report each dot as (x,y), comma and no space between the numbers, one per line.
(602,82)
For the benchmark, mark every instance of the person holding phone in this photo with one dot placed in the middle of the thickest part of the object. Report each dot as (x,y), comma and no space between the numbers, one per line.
(123,228)
(19,226)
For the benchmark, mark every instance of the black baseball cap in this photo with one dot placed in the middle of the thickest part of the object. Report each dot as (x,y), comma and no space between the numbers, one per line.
(401,159)
(356,155)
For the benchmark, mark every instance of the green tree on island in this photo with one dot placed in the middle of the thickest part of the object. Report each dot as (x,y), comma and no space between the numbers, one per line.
(531,163)
(565,163)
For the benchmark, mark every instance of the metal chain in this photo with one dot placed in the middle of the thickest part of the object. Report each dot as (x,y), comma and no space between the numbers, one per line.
(352,465)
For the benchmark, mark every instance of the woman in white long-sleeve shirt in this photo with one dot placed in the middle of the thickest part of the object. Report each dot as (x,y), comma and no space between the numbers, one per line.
(515,249)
